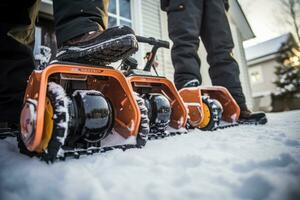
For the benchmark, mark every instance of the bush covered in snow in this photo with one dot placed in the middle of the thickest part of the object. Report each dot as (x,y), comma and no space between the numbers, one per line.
(288,80)
(287,94)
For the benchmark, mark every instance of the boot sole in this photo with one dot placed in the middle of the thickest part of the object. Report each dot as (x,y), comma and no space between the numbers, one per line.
(101,53)
(260,121)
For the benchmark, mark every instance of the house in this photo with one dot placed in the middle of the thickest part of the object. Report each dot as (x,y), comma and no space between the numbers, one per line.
(146,18)
(262,60)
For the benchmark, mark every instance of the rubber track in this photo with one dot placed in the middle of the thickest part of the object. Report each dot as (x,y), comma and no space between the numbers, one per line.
(60,104)
(144,128)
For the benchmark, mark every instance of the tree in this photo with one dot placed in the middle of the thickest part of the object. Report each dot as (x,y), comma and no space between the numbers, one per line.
(292,8)
(287,82)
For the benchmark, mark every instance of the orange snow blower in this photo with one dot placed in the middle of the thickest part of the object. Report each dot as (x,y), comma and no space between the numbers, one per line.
(71,109)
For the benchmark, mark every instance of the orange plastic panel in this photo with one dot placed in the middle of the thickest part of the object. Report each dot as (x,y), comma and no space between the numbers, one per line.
(193,101)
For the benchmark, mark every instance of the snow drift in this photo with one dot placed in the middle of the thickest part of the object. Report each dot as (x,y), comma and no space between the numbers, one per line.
(245,162)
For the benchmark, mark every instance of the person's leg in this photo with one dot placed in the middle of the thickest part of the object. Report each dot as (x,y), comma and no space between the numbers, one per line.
(217,39)
(184,21)
(81,35)
(224,70)
(78,17)
(16,63)
(16,59)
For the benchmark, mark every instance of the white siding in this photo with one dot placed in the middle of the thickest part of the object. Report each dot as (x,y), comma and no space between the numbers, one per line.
(239,55)
(151,27)
(167,62)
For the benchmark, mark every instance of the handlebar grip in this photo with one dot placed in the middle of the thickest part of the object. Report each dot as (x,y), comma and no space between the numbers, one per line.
(153,41)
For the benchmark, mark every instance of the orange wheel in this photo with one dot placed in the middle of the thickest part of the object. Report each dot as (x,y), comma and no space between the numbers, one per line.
(207,116)
(48,126)
(212,115)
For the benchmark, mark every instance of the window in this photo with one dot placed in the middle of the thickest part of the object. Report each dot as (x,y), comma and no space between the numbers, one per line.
(256,75)
(119,13)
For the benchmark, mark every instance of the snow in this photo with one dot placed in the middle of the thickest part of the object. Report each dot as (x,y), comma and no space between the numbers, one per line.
(43,57)
(244,162)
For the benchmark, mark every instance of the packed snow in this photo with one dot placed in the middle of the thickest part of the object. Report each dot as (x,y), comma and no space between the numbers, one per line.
(244,162)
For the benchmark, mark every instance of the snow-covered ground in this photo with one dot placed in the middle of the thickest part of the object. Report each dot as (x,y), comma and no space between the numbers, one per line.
(245,162)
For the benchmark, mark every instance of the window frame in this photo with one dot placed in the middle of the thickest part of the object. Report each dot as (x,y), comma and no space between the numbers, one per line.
(118,16)
(256,75)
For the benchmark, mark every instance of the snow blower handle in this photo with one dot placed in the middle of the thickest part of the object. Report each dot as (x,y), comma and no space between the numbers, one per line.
(154,42)
(156,45)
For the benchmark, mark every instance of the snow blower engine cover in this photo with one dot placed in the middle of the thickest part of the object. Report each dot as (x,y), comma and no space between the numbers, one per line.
(159,112)
(91,116)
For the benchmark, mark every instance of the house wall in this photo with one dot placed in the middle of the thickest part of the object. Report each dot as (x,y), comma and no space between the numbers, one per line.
(264,86)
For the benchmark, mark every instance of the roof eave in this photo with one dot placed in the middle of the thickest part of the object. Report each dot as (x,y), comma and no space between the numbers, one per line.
(238,16)
(262,59)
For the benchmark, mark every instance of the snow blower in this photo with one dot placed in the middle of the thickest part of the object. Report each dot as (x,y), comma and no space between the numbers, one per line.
(72,109)
(171,112)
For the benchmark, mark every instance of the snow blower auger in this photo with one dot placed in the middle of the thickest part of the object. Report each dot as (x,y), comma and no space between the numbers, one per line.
(71,109)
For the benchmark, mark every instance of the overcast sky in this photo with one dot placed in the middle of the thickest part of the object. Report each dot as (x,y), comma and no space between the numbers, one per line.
(266,19)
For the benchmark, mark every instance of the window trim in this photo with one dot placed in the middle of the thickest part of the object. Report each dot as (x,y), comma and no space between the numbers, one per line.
(256,69)
(118,16)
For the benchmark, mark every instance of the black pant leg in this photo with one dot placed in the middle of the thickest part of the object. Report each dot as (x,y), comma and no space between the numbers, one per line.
(217,38)
(16,65)
(184,21)
(76,17)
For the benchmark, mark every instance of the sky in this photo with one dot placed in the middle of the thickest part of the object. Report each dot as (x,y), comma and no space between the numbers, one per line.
(266,18)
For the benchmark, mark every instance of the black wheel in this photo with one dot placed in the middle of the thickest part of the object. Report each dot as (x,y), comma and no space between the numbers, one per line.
(212,114)
(144,128)
(56,122)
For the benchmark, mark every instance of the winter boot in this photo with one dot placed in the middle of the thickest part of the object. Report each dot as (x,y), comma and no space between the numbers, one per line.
(99,47)
(248,117)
